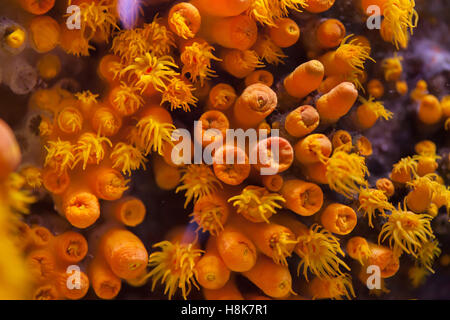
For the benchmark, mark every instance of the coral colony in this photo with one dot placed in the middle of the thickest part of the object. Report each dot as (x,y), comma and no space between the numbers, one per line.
(288,149)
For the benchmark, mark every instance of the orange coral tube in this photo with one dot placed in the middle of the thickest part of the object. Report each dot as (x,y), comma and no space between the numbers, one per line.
(37,7)
(302,197)
(70,121)
(156,112)
(41,265)
(129,210)
(105,283)
(302,121)
(105,121)
(237,251)
(105,68)
(211,213)
(254,105)
(239,63)
(330,33)
(306,78)
(273,279)
(366,3)
(274,240)
(338,218)
(285,33)
(386,185)
(317,6)
(46,292)
(316,172)
(75,293)
(337,102)
(44,33)
(70,247)
(231,173)
(291,222)
(124,252)
(212,273)
(419,199)
(81,208)
(384,258)
(239,32)
(213,119)
(184,20)
(430,110)
(342,139)
(167,177)
(106,183)
(273,183)
(228,292)
(329,83)
(358,249)
(268,160)
(54,182)
(22,235)
(40,236)
(375,88)
(221,97)
(222,8)
(259,76)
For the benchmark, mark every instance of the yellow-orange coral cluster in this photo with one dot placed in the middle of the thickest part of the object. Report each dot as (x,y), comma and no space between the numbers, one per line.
(203,60)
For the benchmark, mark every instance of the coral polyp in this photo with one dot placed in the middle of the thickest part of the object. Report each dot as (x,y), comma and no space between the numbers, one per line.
(406,231)
(428,253)
(371,201)
(126,99)
(149,70)
(179,95)
(90,149)
(400,18)
(18,198)
(127,158)
(319,252)
(153,133)
(334,288)
(174,266)
(60,155)
(197,59)
(198,181)
(346,172)
(352,55)
(257,204)
(268,11)
(98,18)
